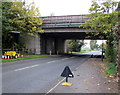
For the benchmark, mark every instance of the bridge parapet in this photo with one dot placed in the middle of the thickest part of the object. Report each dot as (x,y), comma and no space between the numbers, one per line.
(64,21)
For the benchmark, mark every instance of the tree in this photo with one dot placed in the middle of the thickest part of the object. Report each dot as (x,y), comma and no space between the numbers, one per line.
(103,19)
(75,45)
(6,25)
(93,44)
(17,16)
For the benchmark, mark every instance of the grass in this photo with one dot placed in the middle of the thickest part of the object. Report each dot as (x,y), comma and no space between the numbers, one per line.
(25,58)
(85,50)
(112,69)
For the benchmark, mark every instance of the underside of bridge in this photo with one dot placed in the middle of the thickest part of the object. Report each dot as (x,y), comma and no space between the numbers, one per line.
(74,35)
(55,43)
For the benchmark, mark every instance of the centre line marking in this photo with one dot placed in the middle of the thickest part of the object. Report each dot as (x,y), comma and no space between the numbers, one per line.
(26,68)
(51,62)
(54,86)
(65,58)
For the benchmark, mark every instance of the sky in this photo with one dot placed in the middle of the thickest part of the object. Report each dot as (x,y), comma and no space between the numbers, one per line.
(62,7)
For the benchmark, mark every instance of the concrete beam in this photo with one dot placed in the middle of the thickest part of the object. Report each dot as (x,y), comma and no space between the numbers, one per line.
(62,30)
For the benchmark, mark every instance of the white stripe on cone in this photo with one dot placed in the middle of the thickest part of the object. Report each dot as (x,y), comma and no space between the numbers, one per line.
(3,57)
(8,57)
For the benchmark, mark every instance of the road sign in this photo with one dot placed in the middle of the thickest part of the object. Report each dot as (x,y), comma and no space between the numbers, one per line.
(67,73)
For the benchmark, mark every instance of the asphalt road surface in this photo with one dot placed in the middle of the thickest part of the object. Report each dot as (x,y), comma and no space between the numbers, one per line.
(37,75)
(94,53)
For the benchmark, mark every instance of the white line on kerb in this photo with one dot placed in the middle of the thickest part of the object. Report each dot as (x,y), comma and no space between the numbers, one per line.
(54,86)
(26,68)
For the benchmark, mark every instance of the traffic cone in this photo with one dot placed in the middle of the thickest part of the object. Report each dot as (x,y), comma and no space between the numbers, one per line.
(3,57)
(8,57)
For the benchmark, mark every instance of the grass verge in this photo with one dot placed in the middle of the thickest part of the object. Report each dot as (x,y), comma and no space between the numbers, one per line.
(25,58)
(112,69)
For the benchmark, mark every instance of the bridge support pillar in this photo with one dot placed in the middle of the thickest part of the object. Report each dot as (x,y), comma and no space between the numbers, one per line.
(59,46)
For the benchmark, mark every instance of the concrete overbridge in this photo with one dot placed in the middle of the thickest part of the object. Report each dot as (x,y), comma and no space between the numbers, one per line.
(57,29)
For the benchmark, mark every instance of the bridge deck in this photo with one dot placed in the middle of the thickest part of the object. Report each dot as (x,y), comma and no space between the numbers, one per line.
(64,21)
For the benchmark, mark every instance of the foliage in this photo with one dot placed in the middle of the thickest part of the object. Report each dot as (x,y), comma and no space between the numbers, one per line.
(112,48)
(17,16)
(28,20)
(94,45)
(103,20)
(103,46)
(112,69)
(75,45)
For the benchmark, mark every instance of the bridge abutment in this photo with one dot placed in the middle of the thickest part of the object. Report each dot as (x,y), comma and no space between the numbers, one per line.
(33,44)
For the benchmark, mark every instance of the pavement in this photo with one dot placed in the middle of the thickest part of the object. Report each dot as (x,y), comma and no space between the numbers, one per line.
(88,78)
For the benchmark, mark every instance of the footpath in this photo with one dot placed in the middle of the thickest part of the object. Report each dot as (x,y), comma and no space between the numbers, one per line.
(89,78)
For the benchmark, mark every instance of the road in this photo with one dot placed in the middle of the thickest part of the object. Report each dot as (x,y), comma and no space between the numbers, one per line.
(37,75)
(93,53)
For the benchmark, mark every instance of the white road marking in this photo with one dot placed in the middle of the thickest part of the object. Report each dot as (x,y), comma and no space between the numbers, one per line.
(26,68)
(65,58)
(54,86)
(37,65)
(57,60)
(51,61)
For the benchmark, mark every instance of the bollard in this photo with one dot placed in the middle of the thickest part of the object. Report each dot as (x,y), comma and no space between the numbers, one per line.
(57,52)
(50,52)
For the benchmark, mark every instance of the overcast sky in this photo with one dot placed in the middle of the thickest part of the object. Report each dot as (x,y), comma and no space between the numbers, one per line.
(62,7)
